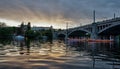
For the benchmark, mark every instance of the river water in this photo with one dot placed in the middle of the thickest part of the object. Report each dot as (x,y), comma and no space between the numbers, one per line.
(103,51)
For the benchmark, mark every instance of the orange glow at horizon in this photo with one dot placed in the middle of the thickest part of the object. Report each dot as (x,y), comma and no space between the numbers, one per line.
(36,24)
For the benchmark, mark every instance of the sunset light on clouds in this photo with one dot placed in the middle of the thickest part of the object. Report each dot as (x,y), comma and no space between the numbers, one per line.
(56,12)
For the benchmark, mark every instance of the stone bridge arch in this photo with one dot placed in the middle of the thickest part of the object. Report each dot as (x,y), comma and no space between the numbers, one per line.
(83,31)
(61,35)
(112,29)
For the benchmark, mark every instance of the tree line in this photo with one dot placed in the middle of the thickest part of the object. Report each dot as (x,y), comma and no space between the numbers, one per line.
(7,33)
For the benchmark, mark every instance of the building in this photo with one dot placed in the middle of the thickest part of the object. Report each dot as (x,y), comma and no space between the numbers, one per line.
(40,28)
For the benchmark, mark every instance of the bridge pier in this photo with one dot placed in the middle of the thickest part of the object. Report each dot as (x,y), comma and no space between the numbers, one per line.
(111,37)
(55,36)
(116,38)
(66,39)
(94,34)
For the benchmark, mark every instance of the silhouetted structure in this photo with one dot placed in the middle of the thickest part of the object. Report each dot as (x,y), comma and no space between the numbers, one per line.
(104,30)
(21,32)
(28,36)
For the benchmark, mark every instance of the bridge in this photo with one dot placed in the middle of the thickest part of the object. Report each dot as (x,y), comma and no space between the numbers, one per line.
(107,29)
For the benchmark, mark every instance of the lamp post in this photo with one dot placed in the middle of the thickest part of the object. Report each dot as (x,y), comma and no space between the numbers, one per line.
(94,16)
(114,15)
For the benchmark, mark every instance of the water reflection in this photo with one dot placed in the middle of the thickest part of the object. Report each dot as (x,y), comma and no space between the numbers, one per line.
(109,51)
(88,48)
(99,53)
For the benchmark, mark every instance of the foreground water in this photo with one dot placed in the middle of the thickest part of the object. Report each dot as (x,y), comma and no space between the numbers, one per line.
(76,55)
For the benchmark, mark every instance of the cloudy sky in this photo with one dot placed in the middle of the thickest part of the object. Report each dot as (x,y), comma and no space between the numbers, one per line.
(56,12)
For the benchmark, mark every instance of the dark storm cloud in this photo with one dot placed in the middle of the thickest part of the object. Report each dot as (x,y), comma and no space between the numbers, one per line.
(77,11)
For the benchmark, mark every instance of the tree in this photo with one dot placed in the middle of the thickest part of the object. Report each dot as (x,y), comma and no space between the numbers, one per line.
(2,24)
(6,33)
(28,36)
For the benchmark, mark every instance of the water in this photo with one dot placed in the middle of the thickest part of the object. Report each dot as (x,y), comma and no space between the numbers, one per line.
(104,51)
(93,54)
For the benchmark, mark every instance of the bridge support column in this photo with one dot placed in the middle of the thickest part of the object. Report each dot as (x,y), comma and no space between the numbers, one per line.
(111,37)
(54,36)
(94,31)
(116,39)
(66,39)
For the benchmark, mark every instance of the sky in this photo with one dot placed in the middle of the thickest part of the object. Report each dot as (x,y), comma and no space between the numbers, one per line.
(57,12)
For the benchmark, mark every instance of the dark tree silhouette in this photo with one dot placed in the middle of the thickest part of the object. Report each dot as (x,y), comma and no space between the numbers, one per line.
(28,36)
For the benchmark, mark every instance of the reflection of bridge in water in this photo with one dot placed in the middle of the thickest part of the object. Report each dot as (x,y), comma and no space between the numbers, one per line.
(78,55)
(108,29)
